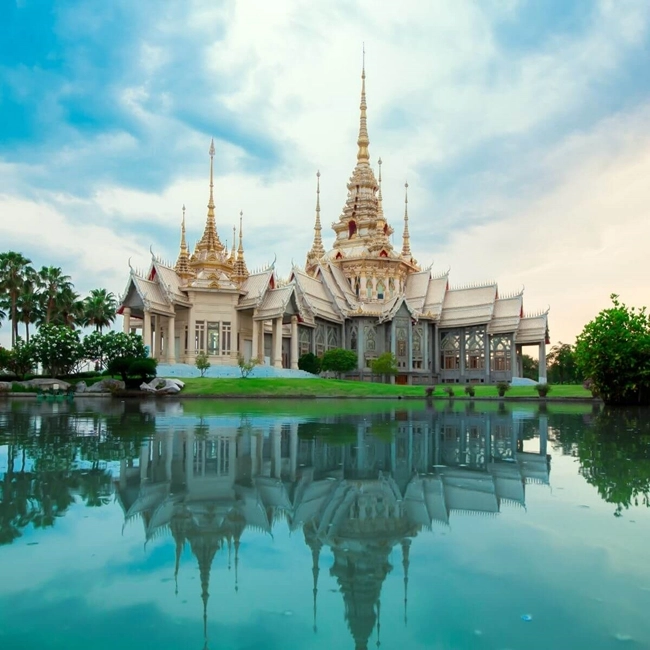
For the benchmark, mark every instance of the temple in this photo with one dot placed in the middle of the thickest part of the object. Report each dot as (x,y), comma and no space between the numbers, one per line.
(208,482)
(363,294)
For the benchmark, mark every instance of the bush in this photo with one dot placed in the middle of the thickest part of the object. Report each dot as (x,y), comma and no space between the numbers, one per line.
(470,390)
(245,367)
(448,390)
(309,363)
(58,349)
(145,369)
(339,361)
(201,362)
(502,388)
(5,358)
(120,366)
(429,390)
(542,389)
(22,359)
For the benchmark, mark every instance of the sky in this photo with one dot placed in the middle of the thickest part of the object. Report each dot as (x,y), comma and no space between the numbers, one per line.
(521,126)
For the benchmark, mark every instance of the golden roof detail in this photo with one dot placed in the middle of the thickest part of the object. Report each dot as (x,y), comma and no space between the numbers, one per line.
(317,251)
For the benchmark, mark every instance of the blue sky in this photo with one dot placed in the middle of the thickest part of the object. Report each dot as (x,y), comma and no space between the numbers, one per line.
(523,128)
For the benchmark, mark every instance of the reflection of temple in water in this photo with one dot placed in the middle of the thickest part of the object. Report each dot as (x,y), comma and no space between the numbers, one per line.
(208,481)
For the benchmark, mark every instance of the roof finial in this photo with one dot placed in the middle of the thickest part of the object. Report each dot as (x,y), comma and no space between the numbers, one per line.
(380,206)
(406,246)
(211,152)
(317,251)
(233,254)
(241,271)
(182,263)
(363,141)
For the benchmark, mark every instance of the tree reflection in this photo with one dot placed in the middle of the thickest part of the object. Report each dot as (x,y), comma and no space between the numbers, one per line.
(614,455)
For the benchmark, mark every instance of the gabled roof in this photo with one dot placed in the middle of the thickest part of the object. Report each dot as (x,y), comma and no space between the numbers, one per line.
(468,306)
(435,297)
(316,296)
(151,295)
(532,329)
(170,281)
(506,315)
(415,289)
(275,302)
(254,288)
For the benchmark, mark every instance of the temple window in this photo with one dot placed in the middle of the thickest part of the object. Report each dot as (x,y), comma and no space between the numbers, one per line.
(370,336)
(332,337)
(304,341)
(225,338)
(450,351)
(391,287)
(357,287)
(199,336)
(353,338)
(369,290)
(380,290)
(352,228)
(475,348)
(320,339)
(500,351)
(213,338)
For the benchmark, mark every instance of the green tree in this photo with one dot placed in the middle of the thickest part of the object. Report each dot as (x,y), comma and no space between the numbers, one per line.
(28,305)
(384,365)
(309,362)
(562,366)
(202,363)
(613,350)
(14,268)
(58,349)
(22,359)
(530,366)
(100,308)
(339,361)
(245,367)
(120,344)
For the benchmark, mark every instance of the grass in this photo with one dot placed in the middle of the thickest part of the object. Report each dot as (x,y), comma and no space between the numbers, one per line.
(303,388)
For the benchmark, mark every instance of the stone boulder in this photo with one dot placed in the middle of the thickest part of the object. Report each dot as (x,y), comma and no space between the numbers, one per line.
(147,387)
(163,386)
(107,385)
(45,383)
(81,387)
(5,386)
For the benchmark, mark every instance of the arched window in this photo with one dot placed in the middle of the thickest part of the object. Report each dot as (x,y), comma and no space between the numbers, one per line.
(352,228)
(380,290)
(383,254)
(369,290)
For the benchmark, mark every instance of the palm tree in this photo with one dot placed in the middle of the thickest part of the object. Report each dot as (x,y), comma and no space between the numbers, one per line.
(54,283)
(100,307)
(28,303)
(14,267)
(68,309)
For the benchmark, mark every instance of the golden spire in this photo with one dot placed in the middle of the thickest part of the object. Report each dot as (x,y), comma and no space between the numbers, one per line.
(363,141)
(210,242)
(182,263)
(406,246)
(317,251)
(233,254)
(241,271)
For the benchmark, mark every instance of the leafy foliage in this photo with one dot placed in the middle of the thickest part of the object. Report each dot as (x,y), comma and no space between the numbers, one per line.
(245,367)
(58,349)
(530,367)
(145,369)
(502,388)
(22,358)
(339,361)
(470,390)
(562,365)
(385,364)
(309,363)
(542,389)
(613,350)
(202,363)
(448,390)
(119,344)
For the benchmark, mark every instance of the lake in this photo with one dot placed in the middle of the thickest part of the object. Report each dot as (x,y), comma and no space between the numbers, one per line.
(323,524)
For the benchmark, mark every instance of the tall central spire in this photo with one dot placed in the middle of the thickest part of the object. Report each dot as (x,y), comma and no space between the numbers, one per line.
(210,243)
(363,141)
(406,246)
(317,250)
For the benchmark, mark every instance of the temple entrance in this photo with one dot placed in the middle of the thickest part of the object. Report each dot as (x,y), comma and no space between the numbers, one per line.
(401,380)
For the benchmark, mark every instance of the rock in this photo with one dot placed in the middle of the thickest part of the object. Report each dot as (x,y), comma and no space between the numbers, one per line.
(5,386)
(45,383)
(81,387)
(106,386)
(167,387)
(178,382)
(147,388)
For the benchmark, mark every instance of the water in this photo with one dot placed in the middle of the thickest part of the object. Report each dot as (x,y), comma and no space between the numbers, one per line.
(313,524)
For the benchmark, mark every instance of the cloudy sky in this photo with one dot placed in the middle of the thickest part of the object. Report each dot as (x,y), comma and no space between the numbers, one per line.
(522,127)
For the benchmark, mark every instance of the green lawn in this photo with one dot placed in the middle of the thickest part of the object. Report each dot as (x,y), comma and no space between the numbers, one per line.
(291,388)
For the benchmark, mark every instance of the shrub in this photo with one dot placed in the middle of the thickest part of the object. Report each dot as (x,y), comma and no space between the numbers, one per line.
(542,389)
(201,362)
(22,359)
(448,390)
(5,358)
(245,367)
(470,390)
(339,361)
(502,388)
(120,366)
(429,390)
(309,363)
(588,384)
(145,369)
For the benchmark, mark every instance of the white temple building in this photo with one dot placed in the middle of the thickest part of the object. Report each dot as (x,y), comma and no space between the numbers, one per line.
(362,294)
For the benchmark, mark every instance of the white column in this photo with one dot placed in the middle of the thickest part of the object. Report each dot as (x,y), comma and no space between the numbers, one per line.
(126,322)
(260,345)
(170,343)
(159,337)
(487,357)
(361,346)
(542,362)
(294,343)
(191,336)
(362,289)
(277,343)
(514,362)
(255,353)
(234,335)
(146,330)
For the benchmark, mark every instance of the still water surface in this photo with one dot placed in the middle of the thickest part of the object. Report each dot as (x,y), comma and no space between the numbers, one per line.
(323,525)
